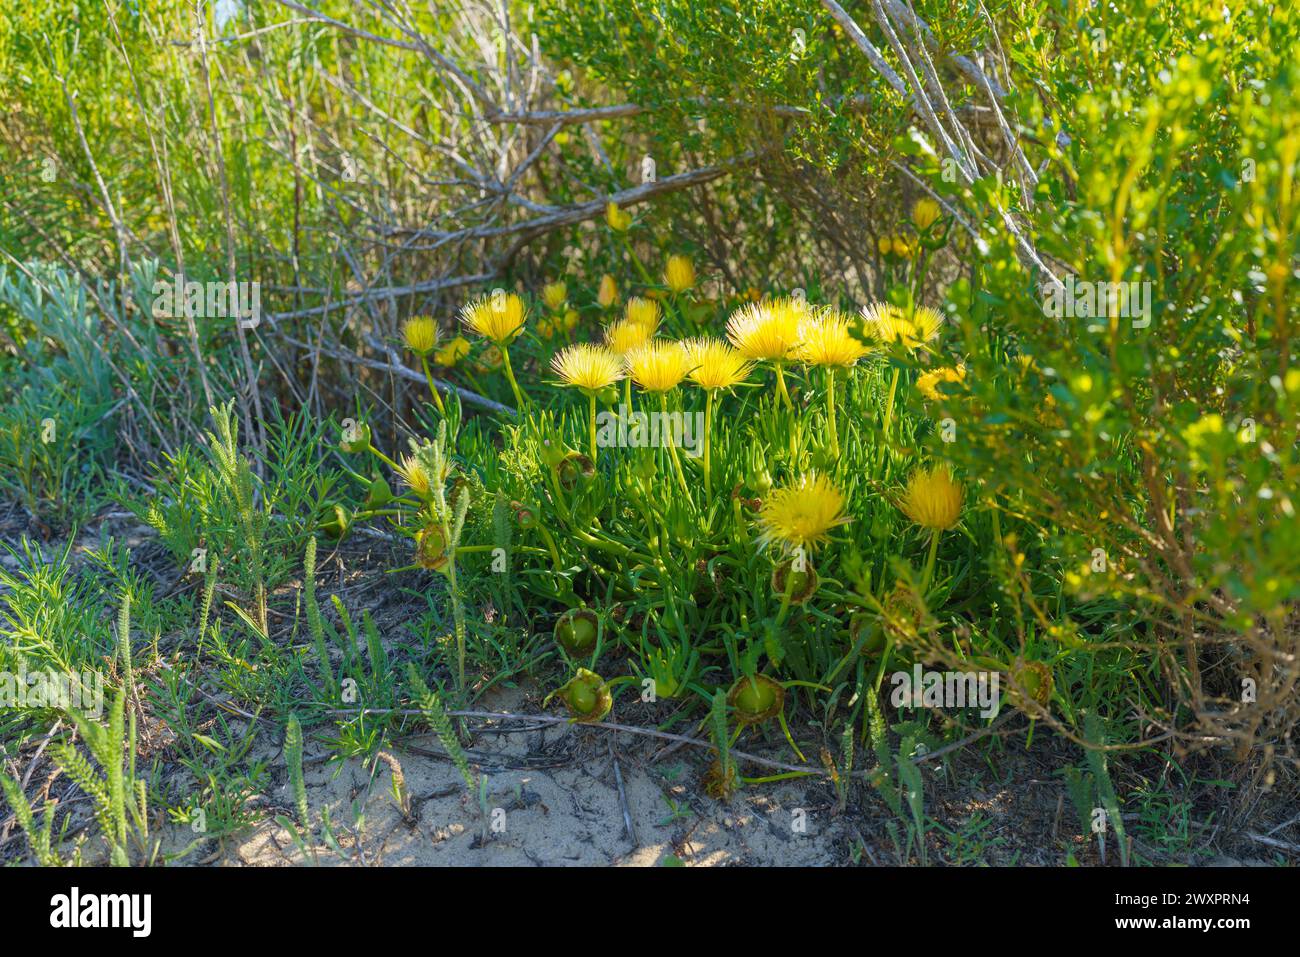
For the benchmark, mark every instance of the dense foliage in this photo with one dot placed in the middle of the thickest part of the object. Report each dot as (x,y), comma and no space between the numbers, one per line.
(1032,417)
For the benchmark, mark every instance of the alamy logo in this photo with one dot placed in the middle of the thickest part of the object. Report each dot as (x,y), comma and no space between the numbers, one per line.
(208,300)
(69,911)
(639,430)
(47,688)
(945,689)
(1073,299)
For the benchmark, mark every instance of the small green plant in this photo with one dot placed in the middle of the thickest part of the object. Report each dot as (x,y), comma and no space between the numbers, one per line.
(237,484)
(435,713)
(898,781)
(39,836)
(300,830)
(120,799)
(48,454)
(212,510)
(314,623)
(1093,794)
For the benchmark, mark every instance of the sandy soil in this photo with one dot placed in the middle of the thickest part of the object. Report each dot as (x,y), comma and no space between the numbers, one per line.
(553,797)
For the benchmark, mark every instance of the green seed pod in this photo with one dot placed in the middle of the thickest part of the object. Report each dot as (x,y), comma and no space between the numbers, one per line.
(337,521)
(553,452)
(903,616)
(572,468)
(585,695)
(1035,680)
(431,548)
(755,700)
(803,584)
(576,631)
(379,495)
(355,438)
(525,517)
(875,640)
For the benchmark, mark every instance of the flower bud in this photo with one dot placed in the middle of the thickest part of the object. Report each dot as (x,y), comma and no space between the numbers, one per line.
(379,494)
(554,295)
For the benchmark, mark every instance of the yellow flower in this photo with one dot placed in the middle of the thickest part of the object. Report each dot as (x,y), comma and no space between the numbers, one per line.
(658,365)
(416,475)
(767,330)
(904,245)
(587,367)
(885,245)
(619,220)
(824,340)
(554,295)
(498,317)
(715,365)
(801,515)
(929,383)
(933,498)
(455,350)
(420,334)
(607,295)
(888,324)
(925,213)
(623,337)
(679,274)
(643,312)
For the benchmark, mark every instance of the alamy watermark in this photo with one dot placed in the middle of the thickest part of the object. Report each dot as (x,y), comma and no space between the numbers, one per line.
(75,910)
(639,430)
(48,688)
(208,300)
(1079,299)
(946,689)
